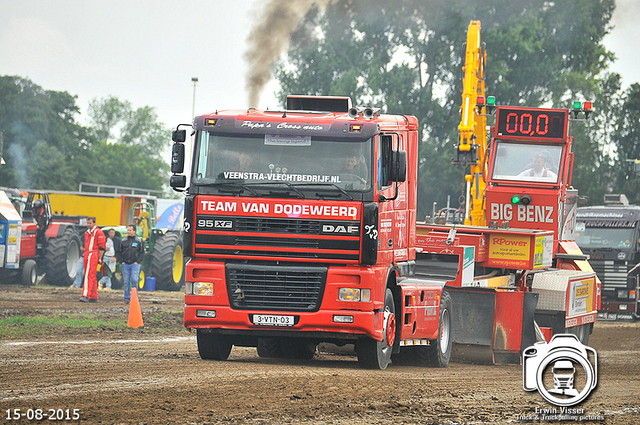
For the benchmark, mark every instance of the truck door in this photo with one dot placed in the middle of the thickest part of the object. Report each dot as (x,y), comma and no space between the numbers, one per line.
(393,211)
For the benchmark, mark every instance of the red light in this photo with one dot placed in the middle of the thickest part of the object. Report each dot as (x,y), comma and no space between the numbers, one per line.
(480,100)
(587,106)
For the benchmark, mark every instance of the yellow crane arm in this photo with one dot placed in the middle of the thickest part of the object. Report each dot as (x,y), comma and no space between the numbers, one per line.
(472,128)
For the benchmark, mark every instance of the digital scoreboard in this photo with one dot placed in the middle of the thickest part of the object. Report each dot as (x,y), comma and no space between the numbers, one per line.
(531,123)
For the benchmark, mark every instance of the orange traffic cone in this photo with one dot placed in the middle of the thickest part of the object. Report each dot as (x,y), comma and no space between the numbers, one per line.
(135,313)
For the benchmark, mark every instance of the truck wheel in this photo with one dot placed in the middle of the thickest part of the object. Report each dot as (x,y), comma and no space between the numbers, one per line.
(298,348)
(212,346)
(582,332)
(167,262)
(269,348)
(116,279)
(62,256)
(405,357)
(438,353)
(29,272)
(374,354)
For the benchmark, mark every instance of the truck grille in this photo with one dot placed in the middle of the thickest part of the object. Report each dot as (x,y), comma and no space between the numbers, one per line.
(277,225)
(274,238)
(612,274)
(275,288)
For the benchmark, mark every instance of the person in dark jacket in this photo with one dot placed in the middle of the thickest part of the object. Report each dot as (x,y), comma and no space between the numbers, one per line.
(130,254)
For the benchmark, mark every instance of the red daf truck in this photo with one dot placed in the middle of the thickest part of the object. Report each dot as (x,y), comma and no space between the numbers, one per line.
(284,217)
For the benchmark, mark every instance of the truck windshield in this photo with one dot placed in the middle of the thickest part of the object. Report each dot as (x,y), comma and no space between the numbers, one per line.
(305,160)
(603,237)
(526,162)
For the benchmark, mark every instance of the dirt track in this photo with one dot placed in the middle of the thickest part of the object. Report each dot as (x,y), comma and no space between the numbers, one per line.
(154,375)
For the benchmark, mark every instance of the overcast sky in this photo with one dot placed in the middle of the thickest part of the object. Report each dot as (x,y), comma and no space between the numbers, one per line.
(146,52)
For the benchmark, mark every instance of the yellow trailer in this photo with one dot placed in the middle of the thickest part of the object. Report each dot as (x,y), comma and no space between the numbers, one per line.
(108,209)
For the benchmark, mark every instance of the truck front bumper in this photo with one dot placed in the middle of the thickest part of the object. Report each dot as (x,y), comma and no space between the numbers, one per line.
(331,324)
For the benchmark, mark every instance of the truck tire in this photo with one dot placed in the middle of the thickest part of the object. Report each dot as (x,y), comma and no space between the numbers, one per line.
(167,262)
(438,353)
(61,258)
(298,348)
(29,272)
(212,346)
(373,354)
(269,348)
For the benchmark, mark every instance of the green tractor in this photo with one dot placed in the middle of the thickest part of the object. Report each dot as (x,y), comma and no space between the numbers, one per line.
(163,260)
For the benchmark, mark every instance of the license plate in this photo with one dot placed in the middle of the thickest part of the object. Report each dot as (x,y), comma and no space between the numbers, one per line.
(272,320)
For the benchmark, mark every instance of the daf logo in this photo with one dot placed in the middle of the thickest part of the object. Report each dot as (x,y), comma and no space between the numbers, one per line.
(223,224)
(330,228)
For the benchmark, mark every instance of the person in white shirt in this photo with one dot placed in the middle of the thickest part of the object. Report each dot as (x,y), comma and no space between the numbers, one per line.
(540,169)
(109,260)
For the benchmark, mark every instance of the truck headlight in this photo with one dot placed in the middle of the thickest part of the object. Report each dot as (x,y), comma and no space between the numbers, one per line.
(622,293)
(198,288)
(354,294)
(211,314)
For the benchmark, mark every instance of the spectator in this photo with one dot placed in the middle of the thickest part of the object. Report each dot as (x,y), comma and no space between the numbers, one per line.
(110,261)
(130,255)
(94,246)
(77,283)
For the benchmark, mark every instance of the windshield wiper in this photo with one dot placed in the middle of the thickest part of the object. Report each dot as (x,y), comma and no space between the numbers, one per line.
(241,187)
(337,195)
(289,185)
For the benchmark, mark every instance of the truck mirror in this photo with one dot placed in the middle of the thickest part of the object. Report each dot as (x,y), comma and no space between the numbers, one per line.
(178,181)
(179,136)
(177,158)
(398,171)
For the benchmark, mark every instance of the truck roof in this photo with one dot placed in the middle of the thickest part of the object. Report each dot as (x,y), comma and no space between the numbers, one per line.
(609,212)
(385,122)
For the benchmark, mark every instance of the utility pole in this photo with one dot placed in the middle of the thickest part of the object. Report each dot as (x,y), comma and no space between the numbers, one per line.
(2,162)
(193,110)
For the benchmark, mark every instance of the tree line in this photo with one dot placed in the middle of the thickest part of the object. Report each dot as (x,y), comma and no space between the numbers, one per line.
(406,57)
(45,148)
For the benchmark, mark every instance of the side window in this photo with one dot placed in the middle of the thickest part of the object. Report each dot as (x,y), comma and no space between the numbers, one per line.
(385,144)
(203,156)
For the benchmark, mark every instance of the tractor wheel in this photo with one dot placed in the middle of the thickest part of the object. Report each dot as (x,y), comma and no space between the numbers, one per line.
(29,272)
(374,354)
(62,256)
(116,278)
(167,262)
(142,277)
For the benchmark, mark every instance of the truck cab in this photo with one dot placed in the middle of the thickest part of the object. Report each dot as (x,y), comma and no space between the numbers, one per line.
(299,226)
(610,235)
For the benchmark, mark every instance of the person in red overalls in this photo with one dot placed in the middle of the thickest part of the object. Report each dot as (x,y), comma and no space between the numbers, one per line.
(94,247)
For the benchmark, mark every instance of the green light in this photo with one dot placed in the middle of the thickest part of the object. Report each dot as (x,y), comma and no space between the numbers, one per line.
(577,104)
(515,199)
(491,101)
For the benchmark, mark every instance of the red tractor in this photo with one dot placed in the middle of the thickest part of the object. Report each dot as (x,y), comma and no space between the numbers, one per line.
(37,241)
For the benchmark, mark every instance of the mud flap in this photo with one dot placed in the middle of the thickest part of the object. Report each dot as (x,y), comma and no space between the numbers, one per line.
(471,321)
(491,327)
